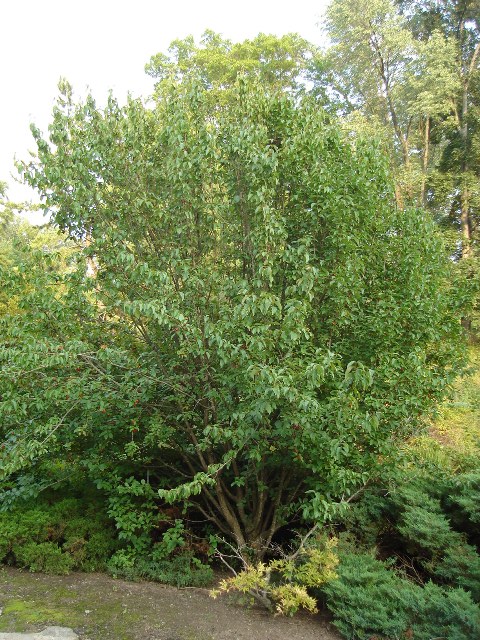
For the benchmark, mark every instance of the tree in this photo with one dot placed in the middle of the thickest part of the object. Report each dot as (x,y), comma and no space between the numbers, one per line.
(368,68)
(409,72)
(20,241)
(280,63)
(457,24)
(263,327)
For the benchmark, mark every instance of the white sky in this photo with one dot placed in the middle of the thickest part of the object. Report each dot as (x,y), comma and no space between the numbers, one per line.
(105,44)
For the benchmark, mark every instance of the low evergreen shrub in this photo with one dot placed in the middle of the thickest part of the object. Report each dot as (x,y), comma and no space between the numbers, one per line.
(58,537)
(368,599)
(460,566)
(179,570)
(47,557)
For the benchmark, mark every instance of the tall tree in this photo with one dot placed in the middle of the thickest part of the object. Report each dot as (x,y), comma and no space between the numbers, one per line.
(370,63)
(457,22)
(279,63)
(409,70)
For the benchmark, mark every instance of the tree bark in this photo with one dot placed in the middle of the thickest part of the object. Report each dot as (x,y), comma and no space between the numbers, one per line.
(426,151)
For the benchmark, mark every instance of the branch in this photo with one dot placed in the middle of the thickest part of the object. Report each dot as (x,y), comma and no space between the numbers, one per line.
(471,67)
(60,422)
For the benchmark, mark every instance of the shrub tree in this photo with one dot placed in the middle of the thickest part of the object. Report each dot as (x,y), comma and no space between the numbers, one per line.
(251,325)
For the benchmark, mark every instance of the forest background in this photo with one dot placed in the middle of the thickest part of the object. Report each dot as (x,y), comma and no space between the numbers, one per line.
(255,290)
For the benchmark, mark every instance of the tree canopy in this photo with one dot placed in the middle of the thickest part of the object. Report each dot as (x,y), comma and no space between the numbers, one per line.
(409,71)
(280,63)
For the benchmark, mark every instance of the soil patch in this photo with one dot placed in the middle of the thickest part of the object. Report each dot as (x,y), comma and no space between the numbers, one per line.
(98,607)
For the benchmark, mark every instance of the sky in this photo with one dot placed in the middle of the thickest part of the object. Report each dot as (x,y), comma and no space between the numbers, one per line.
(100,45)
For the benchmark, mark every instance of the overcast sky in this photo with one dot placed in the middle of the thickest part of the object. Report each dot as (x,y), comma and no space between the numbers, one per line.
(104,44)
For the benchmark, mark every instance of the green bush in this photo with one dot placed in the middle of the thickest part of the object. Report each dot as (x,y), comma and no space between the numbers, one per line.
(168,561)
(46,557)
(426,531)
(367,599)
(58,537)
(370,599)
(460,566)
(181,570)
(439,612)
(427,521)
(17,528)
(133,505)
(464,499)
(365,520)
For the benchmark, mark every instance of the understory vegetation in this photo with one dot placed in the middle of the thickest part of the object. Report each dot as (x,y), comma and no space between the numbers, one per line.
(402,561)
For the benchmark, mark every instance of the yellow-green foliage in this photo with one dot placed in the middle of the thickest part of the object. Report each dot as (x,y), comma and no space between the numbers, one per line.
(455,433)
(292,597)
(283,583)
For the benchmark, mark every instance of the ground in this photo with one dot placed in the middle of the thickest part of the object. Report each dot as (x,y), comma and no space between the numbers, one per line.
(98,607)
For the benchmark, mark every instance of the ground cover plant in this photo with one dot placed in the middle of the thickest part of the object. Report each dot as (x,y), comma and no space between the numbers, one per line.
(57,536)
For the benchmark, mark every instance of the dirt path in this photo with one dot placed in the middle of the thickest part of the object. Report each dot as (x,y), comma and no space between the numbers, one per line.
(100,608)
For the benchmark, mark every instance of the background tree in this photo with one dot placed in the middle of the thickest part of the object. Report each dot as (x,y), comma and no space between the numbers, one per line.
(20,241)
(369,67)
(457,25)
(280,63)
(409,72)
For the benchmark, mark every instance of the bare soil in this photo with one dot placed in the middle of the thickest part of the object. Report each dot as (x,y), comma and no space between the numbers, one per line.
(98,607)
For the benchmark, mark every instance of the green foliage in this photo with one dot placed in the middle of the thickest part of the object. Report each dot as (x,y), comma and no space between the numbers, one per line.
(426,527)
(369,599)
(429,537)
(20,244)
(172,539)
(422,523)
(220,297)
(179,570)
(277,62)
(467,495)
(443,612)
(424,514)
(460,566)
(456,430)
(182,570)
(133,507)
(57,537)
(46,557)
(408,71)
(28,526)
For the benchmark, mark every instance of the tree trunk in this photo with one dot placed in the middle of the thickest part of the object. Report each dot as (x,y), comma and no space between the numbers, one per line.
(466,224)
(426,151)
(465,204)
(250,519)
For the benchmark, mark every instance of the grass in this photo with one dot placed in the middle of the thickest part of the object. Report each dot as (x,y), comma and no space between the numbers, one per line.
(454,435)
